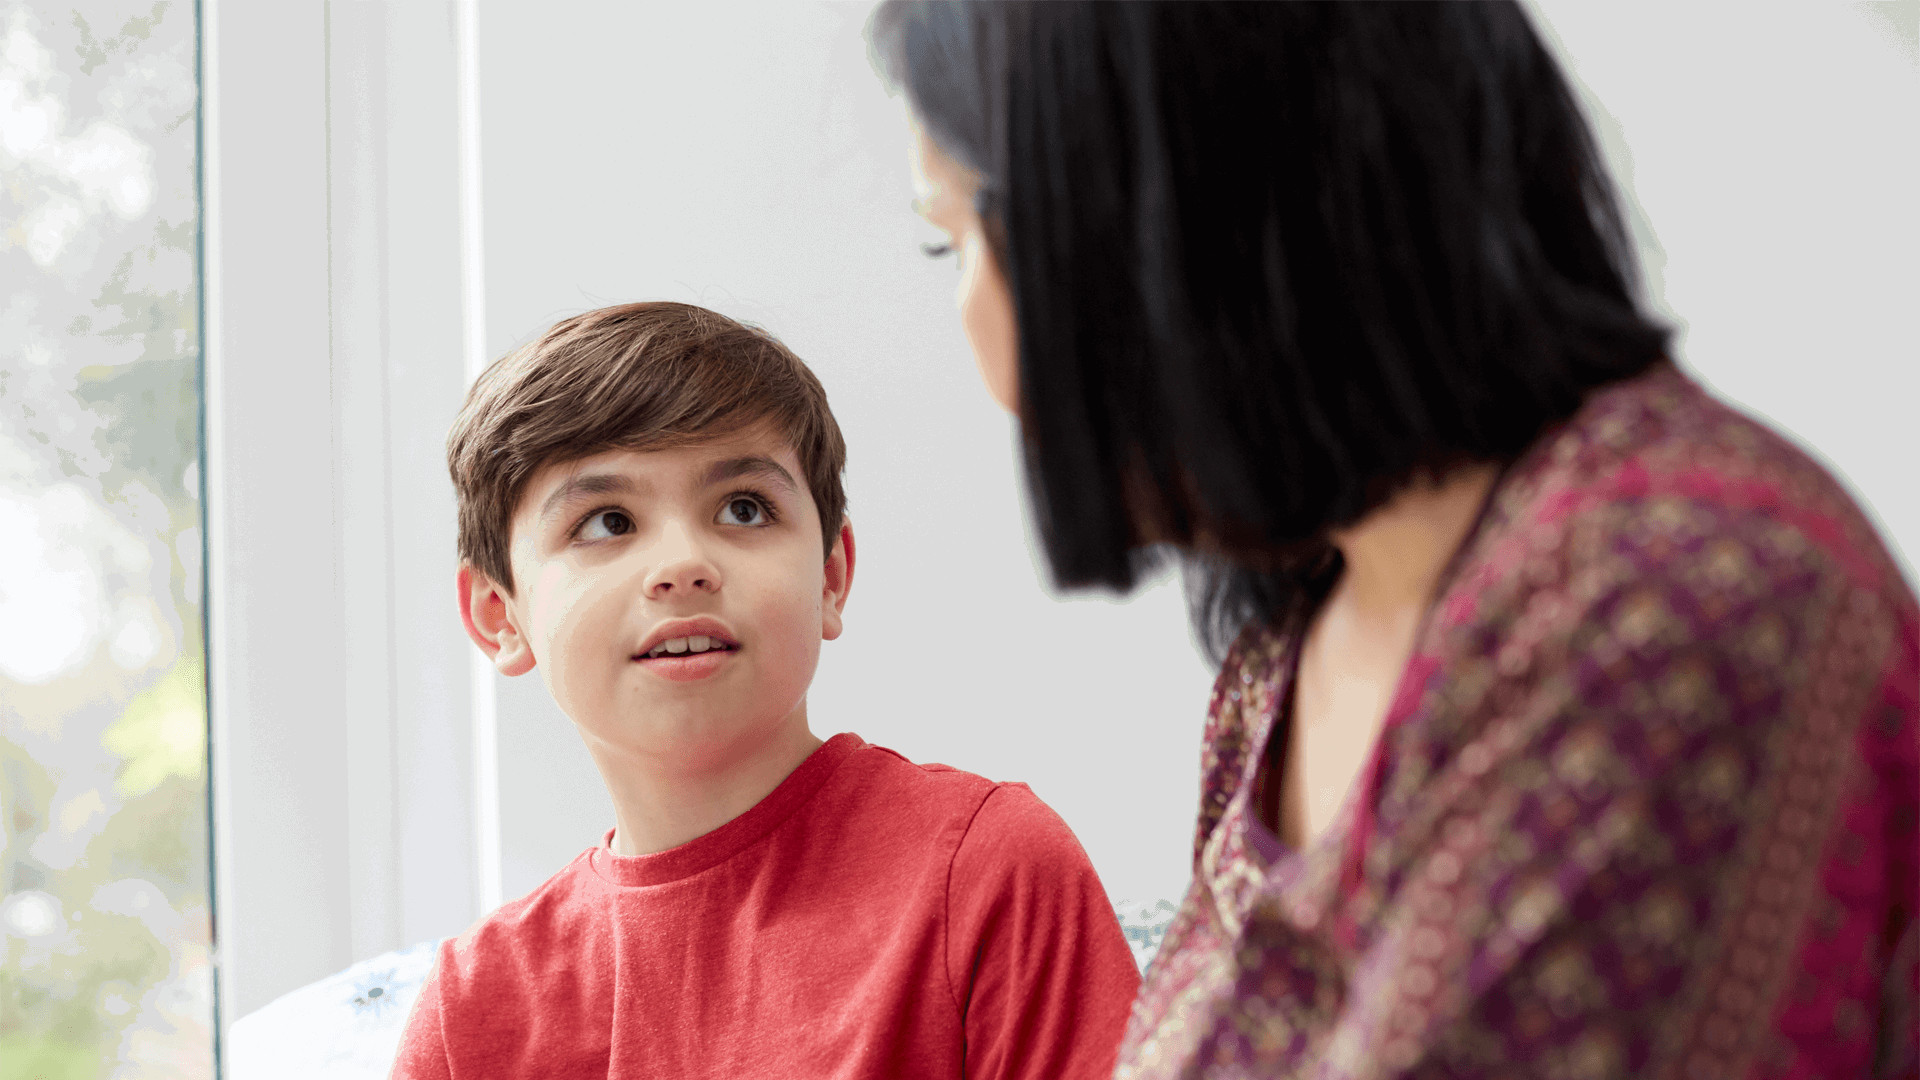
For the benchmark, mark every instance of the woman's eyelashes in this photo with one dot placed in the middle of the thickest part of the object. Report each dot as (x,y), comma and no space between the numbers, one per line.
(747,508)
(936,251)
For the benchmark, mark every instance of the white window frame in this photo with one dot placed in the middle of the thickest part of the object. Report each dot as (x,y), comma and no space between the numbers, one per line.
(355,786)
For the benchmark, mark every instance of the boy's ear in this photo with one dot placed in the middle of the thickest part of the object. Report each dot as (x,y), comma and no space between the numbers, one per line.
(839,581)
(483,608)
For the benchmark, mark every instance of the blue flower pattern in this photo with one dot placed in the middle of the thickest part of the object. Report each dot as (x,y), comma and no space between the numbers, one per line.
(1144,923)
(375,995)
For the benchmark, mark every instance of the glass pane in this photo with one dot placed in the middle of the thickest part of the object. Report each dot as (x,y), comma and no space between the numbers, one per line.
(105,966)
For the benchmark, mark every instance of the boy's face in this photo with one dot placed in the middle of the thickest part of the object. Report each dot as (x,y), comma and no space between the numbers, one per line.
(628,563)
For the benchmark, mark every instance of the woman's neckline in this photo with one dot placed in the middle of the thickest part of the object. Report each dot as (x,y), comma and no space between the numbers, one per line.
(1266,836)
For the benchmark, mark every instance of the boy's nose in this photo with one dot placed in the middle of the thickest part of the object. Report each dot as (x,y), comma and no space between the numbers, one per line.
(681,567)
(665,584)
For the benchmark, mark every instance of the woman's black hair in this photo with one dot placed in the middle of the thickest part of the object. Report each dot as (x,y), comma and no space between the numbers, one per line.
(1270,263)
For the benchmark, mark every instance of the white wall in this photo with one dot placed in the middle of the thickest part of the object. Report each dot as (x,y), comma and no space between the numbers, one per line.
(1773,151)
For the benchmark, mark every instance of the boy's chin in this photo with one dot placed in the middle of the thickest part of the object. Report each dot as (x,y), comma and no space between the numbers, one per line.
(696,743)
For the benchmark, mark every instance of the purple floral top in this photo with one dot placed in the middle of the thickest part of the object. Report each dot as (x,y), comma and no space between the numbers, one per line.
(1644,805)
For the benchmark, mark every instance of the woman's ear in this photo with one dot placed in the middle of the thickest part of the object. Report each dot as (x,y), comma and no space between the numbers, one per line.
(839,580)
(489,622)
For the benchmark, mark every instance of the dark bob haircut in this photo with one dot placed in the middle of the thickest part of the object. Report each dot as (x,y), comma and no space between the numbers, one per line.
(1272,262)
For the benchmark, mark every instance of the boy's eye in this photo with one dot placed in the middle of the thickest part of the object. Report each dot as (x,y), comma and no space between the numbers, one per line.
(741,510)
(605,524)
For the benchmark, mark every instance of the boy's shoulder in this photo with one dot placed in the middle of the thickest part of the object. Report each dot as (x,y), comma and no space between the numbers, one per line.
(554,914)
(930,775)
(1003,819)
(898,785)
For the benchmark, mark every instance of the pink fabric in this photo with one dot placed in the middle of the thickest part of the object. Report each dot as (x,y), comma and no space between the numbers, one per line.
(1645,803)
(869,918)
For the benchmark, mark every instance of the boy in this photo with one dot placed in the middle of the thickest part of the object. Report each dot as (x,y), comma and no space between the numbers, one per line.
(651,514)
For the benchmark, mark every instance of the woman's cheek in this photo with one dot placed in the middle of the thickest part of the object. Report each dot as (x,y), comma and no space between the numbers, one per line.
(986,314)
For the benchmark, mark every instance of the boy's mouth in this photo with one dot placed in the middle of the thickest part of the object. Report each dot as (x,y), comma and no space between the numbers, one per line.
(687,659)
(687,650)
(687,646)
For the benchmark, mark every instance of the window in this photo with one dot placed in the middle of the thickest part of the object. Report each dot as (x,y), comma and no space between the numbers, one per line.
(105,924)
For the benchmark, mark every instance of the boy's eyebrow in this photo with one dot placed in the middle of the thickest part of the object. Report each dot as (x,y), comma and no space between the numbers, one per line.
(753,465)
(589,485)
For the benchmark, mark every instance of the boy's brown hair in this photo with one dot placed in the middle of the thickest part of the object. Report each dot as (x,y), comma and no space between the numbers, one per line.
(646,376)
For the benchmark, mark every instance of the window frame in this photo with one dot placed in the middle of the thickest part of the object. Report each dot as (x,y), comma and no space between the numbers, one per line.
(354,761)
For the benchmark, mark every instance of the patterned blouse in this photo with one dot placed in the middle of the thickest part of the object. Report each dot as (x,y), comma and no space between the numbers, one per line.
(1644,803)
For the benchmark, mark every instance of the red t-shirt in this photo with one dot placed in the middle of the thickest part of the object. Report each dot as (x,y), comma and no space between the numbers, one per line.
(869,918)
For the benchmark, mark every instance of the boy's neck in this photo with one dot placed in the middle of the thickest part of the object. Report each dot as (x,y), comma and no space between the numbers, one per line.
(663,802)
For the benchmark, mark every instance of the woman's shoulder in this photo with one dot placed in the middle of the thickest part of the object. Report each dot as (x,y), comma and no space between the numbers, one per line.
(1657,470)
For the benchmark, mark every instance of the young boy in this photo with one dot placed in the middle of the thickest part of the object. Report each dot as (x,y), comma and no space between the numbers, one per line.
(651,514)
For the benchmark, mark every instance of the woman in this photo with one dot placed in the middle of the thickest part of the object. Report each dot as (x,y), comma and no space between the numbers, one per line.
(1566,723)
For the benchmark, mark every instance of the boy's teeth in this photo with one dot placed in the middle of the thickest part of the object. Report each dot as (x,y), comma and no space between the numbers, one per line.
(698,643)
